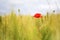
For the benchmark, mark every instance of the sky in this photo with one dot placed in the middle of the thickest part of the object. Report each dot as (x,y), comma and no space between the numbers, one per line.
(29,6)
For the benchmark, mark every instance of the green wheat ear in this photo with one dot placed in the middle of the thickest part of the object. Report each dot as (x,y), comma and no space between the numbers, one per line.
(46,33)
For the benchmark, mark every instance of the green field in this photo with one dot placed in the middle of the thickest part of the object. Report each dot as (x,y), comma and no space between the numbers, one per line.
(17,27)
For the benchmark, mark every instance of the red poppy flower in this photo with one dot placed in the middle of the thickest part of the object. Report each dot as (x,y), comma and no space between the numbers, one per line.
(38,15)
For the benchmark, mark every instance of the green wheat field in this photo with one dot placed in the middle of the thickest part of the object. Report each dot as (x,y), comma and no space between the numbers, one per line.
(17,27)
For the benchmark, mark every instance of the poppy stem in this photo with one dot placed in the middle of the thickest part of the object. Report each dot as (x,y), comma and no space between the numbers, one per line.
(38,24)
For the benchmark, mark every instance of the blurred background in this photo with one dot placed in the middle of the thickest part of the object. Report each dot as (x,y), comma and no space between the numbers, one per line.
(29,6)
